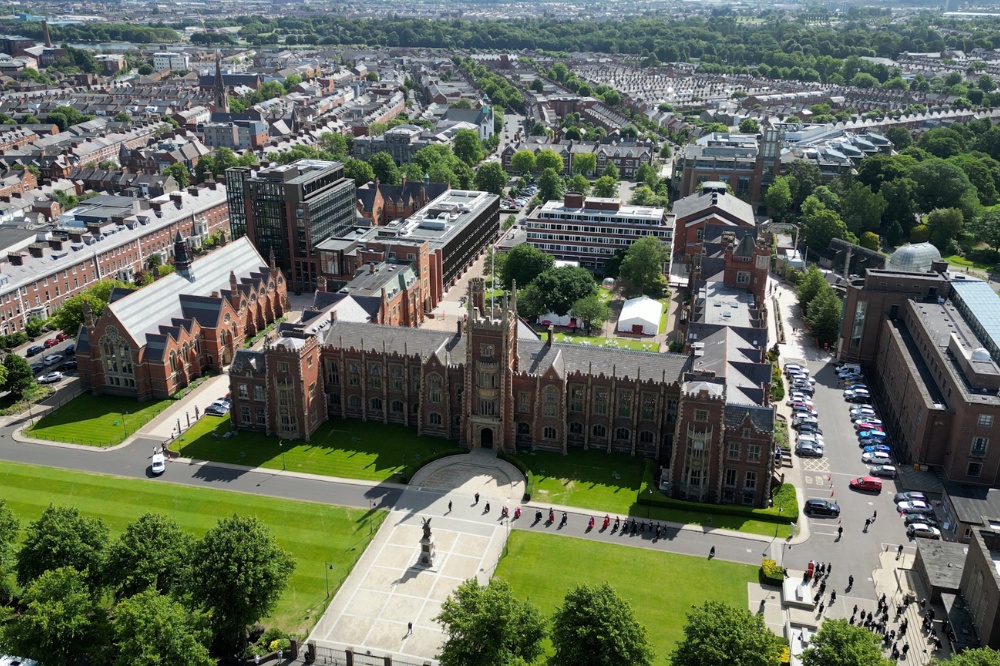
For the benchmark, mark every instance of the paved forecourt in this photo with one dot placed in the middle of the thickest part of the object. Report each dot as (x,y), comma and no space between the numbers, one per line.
(389,588)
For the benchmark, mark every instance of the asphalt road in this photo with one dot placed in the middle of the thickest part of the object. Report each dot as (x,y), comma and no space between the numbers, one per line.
(856,553)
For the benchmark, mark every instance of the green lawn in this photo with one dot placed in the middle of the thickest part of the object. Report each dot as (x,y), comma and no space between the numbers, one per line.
(598,341)
(348,449)
(965,262)
(314,534)
(610,483)
(661,587)
(663,317)
(96,420)
(606,482)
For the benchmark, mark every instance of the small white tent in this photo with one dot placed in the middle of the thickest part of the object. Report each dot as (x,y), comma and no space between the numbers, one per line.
(640,316)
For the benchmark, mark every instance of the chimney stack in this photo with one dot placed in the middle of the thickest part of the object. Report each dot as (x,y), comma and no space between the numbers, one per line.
(45,34)
(548,335)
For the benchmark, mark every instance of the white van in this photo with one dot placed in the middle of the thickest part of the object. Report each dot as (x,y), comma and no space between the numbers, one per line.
(849,368)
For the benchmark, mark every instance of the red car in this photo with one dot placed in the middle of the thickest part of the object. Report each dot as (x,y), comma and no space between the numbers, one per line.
(51,342)
(865,425)
(62,336)
(867,483)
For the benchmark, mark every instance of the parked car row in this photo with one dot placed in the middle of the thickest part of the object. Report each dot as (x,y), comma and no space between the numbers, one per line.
(220,407)
(805,419)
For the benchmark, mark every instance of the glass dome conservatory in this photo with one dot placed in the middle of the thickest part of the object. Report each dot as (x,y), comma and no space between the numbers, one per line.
(913,258)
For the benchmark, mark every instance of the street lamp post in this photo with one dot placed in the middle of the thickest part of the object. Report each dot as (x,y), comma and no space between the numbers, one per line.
(125,425)
(282,449)
(371,515)
(326,571)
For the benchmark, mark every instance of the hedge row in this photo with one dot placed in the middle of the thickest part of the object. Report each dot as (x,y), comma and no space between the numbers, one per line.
(529,478)
(784,510)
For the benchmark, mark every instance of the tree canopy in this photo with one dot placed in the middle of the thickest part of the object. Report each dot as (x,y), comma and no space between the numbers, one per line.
(152,552)
(523,264)
(61,537)
(69,317)
(839,643)
(642,267)
(488,626)
(151,629)
(717,633)
(563,286)
(596,627)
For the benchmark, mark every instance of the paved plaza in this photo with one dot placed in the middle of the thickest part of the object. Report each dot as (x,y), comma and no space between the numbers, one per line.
(389,587)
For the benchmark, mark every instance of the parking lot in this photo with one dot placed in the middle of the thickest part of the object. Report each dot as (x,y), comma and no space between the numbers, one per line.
(45,361)
(856,551)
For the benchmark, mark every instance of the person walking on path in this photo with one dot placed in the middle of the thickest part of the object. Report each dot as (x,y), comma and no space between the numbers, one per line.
(899,551)
(477,499)
(868,522)
(409,628)
(449,506)
(840,533)
(874,515)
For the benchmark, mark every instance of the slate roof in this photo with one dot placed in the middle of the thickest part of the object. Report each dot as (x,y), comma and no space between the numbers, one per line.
(247,360)
(698,205)
(375,337)
(167,296)
(976,505)
(761,417)
(537,357)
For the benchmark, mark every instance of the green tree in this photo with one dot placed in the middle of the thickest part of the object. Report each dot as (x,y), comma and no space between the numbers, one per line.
(606,186)
(585,163)
(807,178)
(810,284)
(861,209)
(491,177)
(523,264)
(643,196)
(976,657)
(61,537)
(489,626)
(592,311)
(180,173)
(595,627)
(749,126)
(642,267)
(838,643)
(717,633)
(34,327)
(940,184)
(530,302)
(150,629)
(980,175)
(824,315)
(869,240)
(385,168)
(334,143)
(778,197)
(240,572)
(62,623)
(610,171)
(822,226)
(468,147)
(549,159)
(69,317)
(900,136)
(291,81)
(579,184)
(17,376)
(562,287)
(986,228)
(646,174)
(359,171)
(523,161)
(894,235)
(10,528)
(901,202)
(152,552)
(945,225)
(550,185)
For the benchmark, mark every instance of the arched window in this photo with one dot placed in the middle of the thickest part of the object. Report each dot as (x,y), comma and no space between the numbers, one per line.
(646,437)
(435,418)
(550,401)
(600,431)
(354,401)
(117,357)
(523,429)
(434,388)
(376,403)
(397,406)
(576,428)
(549,432)
(622,433)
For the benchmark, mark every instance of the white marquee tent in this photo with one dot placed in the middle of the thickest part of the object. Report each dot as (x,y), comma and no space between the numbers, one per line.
(640,316)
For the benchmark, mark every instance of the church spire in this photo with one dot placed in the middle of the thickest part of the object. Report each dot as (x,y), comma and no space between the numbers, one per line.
(221,99)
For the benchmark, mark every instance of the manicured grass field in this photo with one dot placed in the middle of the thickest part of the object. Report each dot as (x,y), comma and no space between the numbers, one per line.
(615,343)
(347,449)
(96,420)
(661,587)
(314,534)
(586,479)
(965,262)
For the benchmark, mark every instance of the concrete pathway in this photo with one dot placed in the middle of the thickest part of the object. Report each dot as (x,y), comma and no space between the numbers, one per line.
(390,588)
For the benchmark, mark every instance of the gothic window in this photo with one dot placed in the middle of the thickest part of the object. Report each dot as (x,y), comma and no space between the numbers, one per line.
(523,401)
(435,418)
(375,375)
(625,404)
(354,401)
(376,404)
(334,372)
(434,388)
(646,437)
(396,377)
(576,400)
(576,428)
(523,428)
(397,406)
(354,374)
(600,401)
(622,433)
(648,406)
(551,402)
(549,432)
(487,407)
(600,431)
(117,356)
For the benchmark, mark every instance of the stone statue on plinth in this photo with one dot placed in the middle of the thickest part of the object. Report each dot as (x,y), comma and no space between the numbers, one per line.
(427,545)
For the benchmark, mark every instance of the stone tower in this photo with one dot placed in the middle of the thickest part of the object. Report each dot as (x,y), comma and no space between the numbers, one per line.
(221,99)
(491,359)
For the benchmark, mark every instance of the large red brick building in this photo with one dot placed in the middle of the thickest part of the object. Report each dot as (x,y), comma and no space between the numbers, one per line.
(151,342)
(493,384)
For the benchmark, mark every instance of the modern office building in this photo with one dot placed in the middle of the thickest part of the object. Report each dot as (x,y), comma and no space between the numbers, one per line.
(290,209)
(590,230)
(928,340)
(172,61)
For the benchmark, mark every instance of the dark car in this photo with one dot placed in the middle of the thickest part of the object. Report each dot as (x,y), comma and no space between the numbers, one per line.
(34,349)
(70,365)
(807,449)
(822,507)
(70,349)
(37,367)
(806,428)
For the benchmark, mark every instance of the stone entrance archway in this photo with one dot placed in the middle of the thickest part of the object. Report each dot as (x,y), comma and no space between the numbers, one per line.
(486,438)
